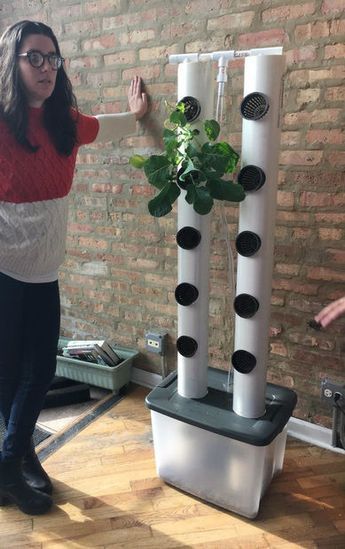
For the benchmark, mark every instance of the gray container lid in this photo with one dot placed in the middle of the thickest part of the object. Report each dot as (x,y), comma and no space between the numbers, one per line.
(214,411)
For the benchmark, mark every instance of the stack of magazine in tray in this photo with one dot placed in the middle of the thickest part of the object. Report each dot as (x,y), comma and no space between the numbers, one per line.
(97,351)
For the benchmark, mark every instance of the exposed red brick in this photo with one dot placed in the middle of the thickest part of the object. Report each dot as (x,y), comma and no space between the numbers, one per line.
(147,73)
(335,51)
(330,116)
(301,158)
(333,137)
(332,7)
(324,273)
(297,55)
(312,31)
(272,37)
(101,6)
(233,20)
(288,11)
(311,199)
(335,158)
(330,234)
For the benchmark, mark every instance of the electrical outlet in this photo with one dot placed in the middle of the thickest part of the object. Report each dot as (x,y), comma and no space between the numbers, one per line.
(330,391)
(155,341)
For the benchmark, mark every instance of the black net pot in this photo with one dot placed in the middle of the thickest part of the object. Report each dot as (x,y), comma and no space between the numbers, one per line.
(254,106)
(188,238)
(251,177)
(243,361)
(192,107)
(186,346)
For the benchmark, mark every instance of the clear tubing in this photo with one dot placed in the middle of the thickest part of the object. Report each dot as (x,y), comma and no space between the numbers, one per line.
(231,284)
(222,77)
(220,104)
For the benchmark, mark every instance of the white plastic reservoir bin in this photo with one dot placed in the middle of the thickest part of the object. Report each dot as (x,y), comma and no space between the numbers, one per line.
(204,448)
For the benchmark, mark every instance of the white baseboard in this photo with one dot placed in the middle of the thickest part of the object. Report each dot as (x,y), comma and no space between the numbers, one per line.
(314,434)
(297,428)
(144,378)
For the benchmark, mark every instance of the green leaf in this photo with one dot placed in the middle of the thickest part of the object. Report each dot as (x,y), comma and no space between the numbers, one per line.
(219,156)
(187,169)
(177,117)
(161,204)
(214,156)
(233,160)
(203,201)
(226,190)
(211,173)
(158,170)
(169,136)
(173,192)
(190,194)
(180,106)
(170,143)
(137,161)
(192,151)
(212,129)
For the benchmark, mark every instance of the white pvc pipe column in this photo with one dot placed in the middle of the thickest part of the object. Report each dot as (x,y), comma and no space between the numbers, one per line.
(195,80)
(260,147)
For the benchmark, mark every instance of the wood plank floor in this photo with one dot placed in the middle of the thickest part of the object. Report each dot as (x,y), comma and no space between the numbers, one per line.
(107,495)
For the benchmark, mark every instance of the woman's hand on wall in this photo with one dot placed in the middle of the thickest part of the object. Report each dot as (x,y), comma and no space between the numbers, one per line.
(334,310)
(137,99)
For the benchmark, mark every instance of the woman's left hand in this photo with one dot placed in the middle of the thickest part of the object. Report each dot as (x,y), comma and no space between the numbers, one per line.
(137,99)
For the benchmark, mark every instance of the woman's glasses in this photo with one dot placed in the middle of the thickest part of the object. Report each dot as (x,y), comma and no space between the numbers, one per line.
(36,59)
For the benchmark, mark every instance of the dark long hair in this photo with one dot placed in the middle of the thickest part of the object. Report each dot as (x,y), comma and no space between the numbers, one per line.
(58,119)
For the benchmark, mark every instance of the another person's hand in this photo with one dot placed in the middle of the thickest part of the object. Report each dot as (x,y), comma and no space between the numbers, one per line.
(331,312)
(137,99)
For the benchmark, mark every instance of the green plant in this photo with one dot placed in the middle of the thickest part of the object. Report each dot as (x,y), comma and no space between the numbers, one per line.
(192,163)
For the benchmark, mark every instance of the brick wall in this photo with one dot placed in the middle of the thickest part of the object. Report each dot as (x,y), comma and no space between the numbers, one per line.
(120,271)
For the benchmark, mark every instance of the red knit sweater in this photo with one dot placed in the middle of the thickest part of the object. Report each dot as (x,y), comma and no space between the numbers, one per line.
(45,174)
(34,191)
(33,199)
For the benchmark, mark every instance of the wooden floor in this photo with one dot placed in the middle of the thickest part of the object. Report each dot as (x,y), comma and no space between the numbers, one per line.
(107,495)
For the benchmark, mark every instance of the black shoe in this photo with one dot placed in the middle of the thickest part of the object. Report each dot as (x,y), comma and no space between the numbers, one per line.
(33,472)
(14,488)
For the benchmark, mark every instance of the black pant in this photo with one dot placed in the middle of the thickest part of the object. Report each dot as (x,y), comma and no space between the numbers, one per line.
(29,332)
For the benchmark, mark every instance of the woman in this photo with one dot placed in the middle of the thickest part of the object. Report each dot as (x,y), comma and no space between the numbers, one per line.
(41,130)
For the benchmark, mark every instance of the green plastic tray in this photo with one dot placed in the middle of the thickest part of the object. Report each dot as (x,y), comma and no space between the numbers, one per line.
(108,377)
